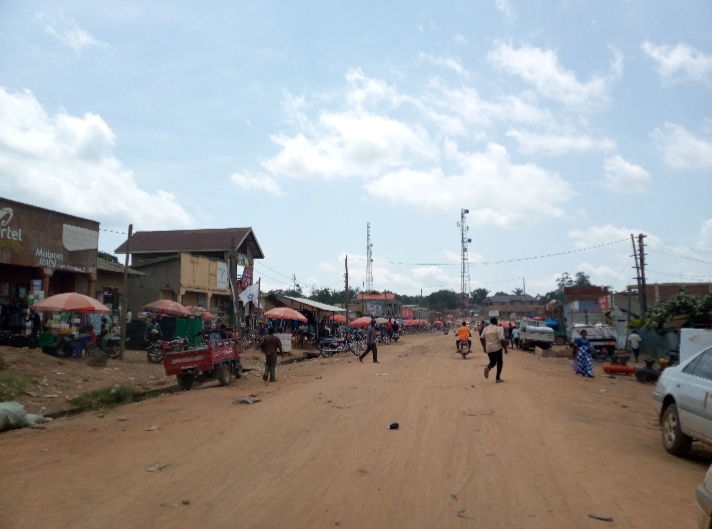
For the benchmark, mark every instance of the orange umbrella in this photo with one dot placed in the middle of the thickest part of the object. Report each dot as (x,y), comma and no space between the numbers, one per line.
(71,302)
(437,322)
(167,307)
(339,317)
(284,313)
(200,312)
(361,322)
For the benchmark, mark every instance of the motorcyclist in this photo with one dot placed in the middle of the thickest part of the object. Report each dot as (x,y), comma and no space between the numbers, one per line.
(153,331)
(464,333)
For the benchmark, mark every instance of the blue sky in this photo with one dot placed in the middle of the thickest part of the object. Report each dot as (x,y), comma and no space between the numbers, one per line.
(558,124)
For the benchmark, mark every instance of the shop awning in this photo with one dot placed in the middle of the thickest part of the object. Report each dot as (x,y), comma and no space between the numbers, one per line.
(308,304)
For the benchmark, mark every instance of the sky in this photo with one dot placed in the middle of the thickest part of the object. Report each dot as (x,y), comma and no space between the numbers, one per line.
(560,125)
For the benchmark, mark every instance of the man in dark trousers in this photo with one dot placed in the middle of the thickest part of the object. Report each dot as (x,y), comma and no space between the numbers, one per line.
(269,346)
(370,343)
(36,322)
(493,342)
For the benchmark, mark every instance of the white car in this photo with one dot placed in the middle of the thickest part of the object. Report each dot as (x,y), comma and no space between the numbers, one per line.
(683,401)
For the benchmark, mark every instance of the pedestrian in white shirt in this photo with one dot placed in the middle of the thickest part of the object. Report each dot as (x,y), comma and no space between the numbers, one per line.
(634,340)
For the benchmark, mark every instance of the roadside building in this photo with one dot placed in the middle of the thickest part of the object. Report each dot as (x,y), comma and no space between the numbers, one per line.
(110,283)
(378,304)
(42,253)
(512,307)
(190,267)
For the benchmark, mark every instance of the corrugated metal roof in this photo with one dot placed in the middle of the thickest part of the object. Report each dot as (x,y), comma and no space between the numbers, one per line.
(217,240)
(315,304)
(109,266)
(382,296)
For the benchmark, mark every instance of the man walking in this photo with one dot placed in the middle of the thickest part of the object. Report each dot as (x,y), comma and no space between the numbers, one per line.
(389,329)
(515,338)
(634,340)
(105,333)
(493,342)
(269,347)
(370,343)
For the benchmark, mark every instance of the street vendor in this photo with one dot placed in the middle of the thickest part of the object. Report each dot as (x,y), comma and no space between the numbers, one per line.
(34,320)
(269,346)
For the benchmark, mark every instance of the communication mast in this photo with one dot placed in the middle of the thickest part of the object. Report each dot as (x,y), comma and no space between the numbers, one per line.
(369,259)
(465,265)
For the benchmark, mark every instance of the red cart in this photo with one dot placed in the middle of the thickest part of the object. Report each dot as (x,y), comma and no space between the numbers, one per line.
(217,359)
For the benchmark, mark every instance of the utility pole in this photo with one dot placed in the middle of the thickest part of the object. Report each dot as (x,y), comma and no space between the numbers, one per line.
(524,286)
(420,305)
(643,296)
(464,259)
(637,272)
(233,282)
(125,302)
(346,289)
(369,259)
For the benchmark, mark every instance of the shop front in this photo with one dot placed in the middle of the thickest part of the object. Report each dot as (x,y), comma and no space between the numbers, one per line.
(42,253)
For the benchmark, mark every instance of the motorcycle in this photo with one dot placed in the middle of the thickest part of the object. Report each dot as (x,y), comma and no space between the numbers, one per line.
(463,348)
(154,352)
(395,336)
(446,331)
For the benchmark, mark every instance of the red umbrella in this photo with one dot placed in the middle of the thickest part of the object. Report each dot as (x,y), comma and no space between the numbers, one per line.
(284,313)
(167,307)
(361,322)
(339,317)
(71,302)
(437,322)
(200,312)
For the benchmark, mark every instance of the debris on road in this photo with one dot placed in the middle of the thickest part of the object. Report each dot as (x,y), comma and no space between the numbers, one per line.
(158,467)
(247,400)
(394,426)
(602,518)
(152,429)
(461,514)
(13,415)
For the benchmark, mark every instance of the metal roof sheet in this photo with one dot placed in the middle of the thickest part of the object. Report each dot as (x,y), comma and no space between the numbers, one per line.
(109,266)
(315,304)
(212,240)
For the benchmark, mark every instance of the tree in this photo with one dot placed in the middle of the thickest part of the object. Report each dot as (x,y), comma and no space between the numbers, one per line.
(695,307)
(564,281)
(518,291)
(582,280)
(289,292)
(443,300)
(108,257)
(479,295)
(501,294)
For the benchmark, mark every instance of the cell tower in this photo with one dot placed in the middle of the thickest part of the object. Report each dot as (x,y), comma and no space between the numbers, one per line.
(369,259)
(465,265)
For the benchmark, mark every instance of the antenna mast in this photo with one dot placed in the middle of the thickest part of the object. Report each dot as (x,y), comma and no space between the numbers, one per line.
(369,259)
(465,265)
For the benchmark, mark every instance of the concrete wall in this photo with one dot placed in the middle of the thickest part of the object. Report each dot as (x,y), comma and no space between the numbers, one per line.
(162,281)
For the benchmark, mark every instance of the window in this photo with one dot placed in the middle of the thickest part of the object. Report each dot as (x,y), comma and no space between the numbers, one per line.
(703,369)
(690,368)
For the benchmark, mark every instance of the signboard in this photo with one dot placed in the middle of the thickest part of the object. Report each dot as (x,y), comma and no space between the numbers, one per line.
(222,276)
(494,313)
(75,238)
(407,314)
(604,303)
(45,239)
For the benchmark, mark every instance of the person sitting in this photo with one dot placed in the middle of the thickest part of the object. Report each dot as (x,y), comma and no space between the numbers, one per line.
(464,333)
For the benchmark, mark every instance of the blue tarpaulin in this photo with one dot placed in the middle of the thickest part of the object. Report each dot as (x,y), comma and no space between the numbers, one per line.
(552,323)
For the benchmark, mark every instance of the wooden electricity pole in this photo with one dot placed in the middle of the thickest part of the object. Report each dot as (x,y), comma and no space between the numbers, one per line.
(346,289)
(637,273)
(643,296)
(233,282)
(125,301)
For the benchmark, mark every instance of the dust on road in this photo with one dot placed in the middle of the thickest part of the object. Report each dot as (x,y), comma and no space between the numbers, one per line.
(545,449)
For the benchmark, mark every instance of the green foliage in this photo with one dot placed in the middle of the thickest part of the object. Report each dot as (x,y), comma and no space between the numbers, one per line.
(105,397)
(660,314)
(518,292)
(332,297)
(500,293)
(295,293)
(479,295)
(565,280)
(443,300)
(13,385)
(582,280)
(635,324)
(108,256)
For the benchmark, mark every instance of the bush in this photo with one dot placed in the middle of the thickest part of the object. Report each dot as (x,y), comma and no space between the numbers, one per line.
(13,385)
(105,397)
(635,324)
(660,314)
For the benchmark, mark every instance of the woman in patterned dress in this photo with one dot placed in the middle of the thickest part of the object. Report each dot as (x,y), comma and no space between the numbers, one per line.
(583,356)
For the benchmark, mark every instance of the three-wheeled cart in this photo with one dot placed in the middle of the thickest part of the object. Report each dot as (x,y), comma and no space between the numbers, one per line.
(218,358)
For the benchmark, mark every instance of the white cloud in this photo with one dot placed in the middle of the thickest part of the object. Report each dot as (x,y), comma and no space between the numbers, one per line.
(624,176)
(541,68)
(447,62)
(459,39)
(260,181)
(681,149)
(678,61)
(506,8)
(557,144)
(596,235)
(66,163)
(491,169)
(74,36)
(706,234)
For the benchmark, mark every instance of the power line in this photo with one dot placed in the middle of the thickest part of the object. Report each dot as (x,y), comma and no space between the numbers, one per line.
(681,257)
(676,275)
(488,263)
(663,243)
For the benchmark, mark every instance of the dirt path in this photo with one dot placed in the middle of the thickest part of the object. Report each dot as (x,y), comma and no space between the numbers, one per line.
(542,450)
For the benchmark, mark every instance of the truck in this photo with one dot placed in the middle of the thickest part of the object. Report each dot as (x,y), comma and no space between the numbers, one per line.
(601,332)
(534,333)
(216,358)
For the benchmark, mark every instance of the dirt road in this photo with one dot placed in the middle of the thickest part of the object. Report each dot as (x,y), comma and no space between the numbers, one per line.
(543,450)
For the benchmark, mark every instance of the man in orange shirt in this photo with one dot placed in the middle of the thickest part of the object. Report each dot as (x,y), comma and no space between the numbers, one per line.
(464,333)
